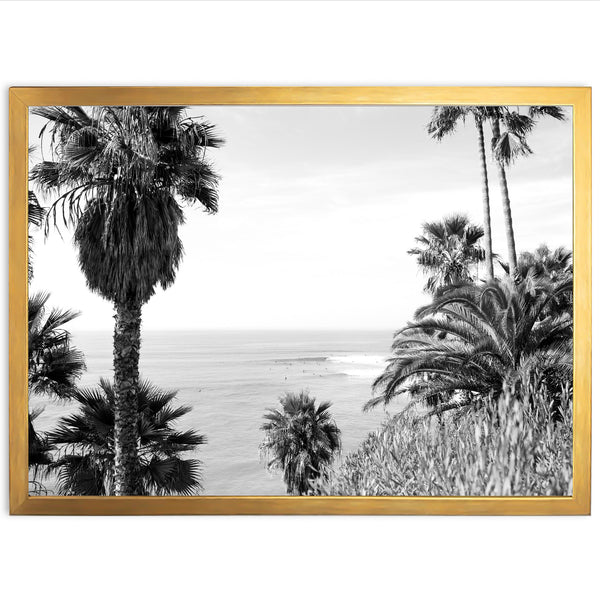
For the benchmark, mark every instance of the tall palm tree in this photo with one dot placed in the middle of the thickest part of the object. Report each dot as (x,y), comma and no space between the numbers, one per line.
(442,123)
(122,175)
(447,250)
(508,143)
(85,442)
(477,339)
(301,439)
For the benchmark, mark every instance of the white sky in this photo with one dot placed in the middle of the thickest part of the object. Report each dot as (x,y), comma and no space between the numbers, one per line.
(318,206)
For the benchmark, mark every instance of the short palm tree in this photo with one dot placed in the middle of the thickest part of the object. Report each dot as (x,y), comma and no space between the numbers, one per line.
(301,439)
(477,339)
(447,250)
(509,141)
(55,364)
(553,265)
(443,122)
(122,175)
(40,455)
(85,443)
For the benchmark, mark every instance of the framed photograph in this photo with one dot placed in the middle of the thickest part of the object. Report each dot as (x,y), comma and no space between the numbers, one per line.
(300,300)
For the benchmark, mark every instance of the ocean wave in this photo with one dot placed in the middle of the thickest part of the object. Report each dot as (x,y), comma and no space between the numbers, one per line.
(300,359)
(361,366)
(363,359)
(362,373)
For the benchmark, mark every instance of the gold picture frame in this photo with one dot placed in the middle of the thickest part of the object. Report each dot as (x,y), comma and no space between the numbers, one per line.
(21,98)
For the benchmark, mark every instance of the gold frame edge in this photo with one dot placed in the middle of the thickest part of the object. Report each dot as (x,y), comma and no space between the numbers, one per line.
(21,98)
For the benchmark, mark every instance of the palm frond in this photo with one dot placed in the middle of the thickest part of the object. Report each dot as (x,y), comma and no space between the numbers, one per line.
(301,439)
(85,442)
(475,339)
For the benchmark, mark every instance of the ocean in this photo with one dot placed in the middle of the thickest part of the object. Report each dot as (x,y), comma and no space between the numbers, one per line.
(230,378)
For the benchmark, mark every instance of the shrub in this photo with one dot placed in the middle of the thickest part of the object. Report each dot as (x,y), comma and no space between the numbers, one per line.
(508,447)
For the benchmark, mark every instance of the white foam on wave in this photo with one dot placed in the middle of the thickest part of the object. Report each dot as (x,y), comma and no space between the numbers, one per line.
(362,366)
(360,359)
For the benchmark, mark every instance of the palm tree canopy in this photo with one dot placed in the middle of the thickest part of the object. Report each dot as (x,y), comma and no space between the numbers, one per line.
(512,141)
(86,444)
(125,263)
(121,175)
(447,250)
(543,262)
(40,450)
(54,364)
(300,439)
(444,119)
(478,339)
(556,112)
(35,218)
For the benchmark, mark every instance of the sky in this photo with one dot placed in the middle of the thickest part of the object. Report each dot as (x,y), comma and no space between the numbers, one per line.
(318,207)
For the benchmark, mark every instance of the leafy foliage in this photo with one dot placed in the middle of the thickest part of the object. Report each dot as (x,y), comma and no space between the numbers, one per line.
(54,364)
(511,142)
(447,250)
(475,340)
(550,266)
(40,450)
(35,218)
(121,174)
(301,439)
(444,119)
(508,447)
(545,264)
(86,447)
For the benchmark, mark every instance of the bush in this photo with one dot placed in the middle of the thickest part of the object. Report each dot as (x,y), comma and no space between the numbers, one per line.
(507,447)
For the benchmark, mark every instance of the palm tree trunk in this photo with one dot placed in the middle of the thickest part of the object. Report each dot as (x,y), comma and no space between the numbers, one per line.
(487,221)
(510,235)
(126,356)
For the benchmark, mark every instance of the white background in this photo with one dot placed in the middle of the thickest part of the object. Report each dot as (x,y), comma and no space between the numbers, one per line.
(314,43)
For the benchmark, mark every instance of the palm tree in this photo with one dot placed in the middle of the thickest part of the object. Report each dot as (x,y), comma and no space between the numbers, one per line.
(507,145)
(447,250)
(35,218)
(54,364)
(301,439)
(85,442)
(478,339)
(442,123)
(40,455)
(122,175)
(553,265)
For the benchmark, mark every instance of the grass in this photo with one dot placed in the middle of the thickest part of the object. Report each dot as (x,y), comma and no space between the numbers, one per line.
(509,447)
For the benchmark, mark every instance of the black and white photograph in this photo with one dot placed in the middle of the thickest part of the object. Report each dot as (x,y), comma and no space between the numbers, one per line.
(297,300)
